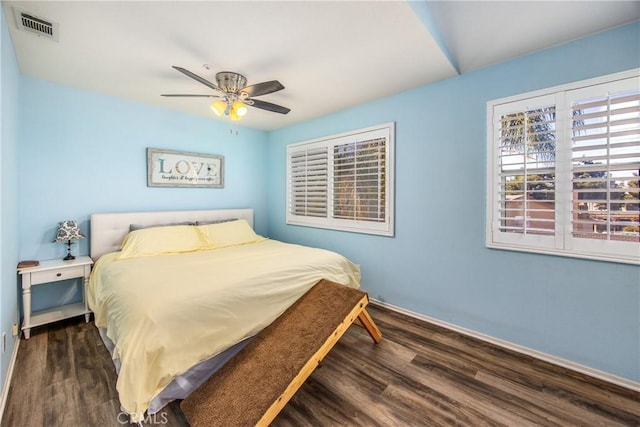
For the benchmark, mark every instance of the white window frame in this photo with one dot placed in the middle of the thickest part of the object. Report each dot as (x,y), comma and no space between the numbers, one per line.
(562,243)
(385,228)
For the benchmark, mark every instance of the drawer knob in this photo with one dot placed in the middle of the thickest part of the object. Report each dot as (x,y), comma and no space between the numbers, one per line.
(59,274)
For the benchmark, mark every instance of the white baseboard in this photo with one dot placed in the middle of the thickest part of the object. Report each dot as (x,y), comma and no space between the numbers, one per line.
(7,378)
(614,379)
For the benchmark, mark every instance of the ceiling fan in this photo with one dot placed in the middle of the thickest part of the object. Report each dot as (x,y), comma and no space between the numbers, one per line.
(234,94)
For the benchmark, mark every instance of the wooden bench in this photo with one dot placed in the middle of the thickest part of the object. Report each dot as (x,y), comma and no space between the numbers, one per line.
(254,386)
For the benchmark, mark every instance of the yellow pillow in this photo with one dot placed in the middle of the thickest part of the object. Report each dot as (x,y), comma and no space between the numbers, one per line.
(229,233)
(162,240)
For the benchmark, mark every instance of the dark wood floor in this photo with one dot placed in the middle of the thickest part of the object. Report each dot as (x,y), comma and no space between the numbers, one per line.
(420,374)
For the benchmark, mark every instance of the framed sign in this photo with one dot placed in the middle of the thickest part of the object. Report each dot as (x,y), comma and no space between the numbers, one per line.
(170,168)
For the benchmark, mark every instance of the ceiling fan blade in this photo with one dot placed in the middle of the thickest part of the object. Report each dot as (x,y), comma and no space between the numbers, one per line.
(190,95)
(269,106)
(262,88)
(199,79)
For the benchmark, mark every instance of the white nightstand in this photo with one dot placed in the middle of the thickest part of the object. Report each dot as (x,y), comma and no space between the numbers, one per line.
(48,272)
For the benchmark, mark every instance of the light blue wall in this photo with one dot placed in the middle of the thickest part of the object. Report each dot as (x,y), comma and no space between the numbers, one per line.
(82,152)
(9,91)
(437,264)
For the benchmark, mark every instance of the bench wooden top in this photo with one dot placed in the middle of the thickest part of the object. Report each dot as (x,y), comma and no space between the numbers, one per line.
(256,384)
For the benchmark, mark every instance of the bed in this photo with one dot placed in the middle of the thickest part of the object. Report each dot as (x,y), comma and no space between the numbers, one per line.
(172,317)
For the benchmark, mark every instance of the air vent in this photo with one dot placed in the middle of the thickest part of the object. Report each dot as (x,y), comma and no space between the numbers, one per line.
(36,25)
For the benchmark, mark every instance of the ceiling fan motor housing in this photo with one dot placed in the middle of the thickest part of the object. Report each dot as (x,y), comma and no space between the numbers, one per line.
(231,82)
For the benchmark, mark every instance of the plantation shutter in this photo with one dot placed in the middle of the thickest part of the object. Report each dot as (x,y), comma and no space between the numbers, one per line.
(308,182)
(526,161)
(563,170)
(343,182)
(605,164)
(358,180)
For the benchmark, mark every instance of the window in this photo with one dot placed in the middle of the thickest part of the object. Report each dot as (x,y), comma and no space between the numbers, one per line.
(343,182)
(563,170)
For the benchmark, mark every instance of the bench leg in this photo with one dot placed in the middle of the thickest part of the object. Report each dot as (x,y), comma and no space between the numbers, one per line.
(370,325)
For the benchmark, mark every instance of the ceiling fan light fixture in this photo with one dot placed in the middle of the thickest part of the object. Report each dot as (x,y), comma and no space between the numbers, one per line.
(240,108)
(219,107)
(233,115)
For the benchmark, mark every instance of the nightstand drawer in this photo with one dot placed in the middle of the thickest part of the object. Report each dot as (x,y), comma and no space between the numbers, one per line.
(49,276)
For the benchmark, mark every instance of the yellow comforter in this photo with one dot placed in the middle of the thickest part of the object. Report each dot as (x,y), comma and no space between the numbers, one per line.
(166,313)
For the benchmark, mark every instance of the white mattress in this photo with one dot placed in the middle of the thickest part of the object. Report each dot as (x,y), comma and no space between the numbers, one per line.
(185,384)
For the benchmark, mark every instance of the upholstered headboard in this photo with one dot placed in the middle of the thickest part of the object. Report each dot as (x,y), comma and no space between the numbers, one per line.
(108,230)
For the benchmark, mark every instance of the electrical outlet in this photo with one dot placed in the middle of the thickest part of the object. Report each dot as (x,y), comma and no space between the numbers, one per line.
(14,330)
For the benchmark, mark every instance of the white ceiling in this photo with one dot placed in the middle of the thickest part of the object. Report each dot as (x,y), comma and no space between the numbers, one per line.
(329,55)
